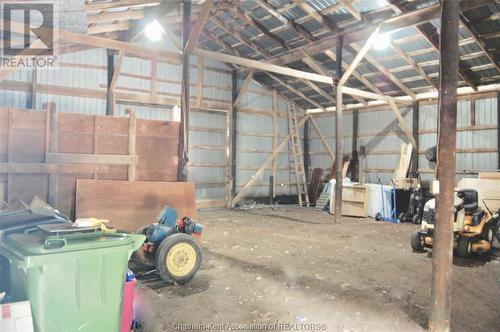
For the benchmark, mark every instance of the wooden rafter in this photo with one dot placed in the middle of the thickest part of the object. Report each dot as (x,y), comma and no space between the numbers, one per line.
(431,34)
(414,65)
(480,43)
(250,20)
(284,45)
(310,61)
(328,24)
(229,49)
(361,32)
(107,17)
(198,27)
(98,29)
(115,5)
(291,72)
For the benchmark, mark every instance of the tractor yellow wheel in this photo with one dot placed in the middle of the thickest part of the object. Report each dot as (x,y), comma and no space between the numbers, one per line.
(181,259)
(178,258)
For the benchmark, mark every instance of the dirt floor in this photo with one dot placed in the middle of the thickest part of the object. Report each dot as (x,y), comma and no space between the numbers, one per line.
(264,267)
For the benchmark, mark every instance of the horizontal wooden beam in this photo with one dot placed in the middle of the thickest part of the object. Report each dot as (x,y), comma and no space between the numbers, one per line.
(288,72)
(104,28)
(77,158)
(115,16)
(100,42)
(51,168)
(101,5)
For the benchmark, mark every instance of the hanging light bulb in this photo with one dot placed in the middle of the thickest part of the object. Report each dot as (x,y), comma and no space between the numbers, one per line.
(154,31)
(382,41)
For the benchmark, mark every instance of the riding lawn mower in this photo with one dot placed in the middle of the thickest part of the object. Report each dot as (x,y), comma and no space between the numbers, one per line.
(170,247)
(474,229)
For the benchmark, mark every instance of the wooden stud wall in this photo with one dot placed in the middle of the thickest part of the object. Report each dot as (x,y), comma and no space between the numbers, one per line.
(43,153)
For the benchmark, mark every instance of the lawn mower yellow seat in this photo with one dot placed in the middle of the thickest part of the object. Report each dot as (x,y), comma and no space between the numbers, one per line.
(469,196)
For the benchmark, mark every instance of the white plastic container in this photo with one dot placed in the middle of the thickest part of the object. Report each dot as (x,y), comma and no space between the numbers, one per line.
(375,199)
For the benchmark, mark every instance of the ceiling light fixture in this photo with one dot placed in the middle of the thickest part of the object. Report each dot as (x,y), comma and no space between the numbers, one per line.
(382,41)
(154,31)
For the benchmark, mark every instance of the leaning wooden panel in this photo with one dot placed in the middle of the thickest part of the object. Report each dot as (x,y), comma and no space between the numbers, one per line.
(156,145)
(129,205)
(489,175)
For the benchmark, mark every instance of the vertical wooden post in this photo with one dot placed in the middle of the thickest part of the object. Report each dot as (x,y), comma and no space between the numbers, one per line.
(354,153)
(95,142)
(51,146)
(472,111)
(415,126)
(10,122)
(442,255)
(132,126)
(154,80)
(199,82)
(31,94)
(275,141)
(306,149)
(184,125)
(232,134)
(110,102)
(338,133)
(498,129)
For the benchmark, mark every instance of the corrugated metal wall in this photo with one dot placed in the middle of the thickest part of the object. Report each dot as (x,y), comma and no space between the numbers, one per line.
(380,135)
(209,129)
(477,136)
(255,143)
(319,158)
(379,132)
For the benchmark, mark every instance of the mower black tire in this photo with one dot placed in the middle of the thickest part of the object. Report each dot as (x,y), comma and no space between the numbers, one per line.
(143,257)
(415,219)
(488,233)
(417,242)
(463,247)
(402,217)
(378,216)
(165,249)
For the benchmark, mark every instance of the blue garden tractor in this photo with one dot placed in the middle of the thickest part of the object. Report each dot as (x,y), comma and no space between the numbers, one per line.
(170,247)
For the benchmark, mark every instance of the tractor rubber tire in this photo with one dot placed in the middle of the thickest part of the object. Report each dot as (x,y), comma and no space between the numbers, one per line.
(378,216)
(488,233)
(463,247)
(415,219)
(178,258)
(143,257)
(417,242)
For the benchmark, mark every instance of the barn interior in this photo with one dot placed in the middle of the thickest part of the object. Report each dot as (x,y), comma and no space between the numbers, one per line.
(308,165)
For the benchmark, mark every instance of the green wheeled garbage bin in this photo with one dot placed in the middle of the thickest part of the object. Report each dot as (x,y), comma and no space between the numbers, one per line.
(72,277)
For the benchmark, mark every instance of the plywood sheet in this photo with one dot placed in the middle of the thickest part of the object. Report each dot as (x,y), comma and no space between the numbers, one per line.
(23,141)
(354,200)
(129,205)
(488,191)
(489,175)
